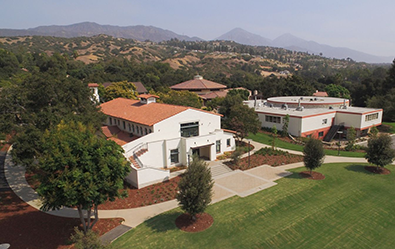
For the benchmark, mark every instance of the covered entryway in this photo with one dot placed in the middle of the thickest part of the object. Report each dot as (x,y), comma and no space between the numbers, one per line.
(203,152)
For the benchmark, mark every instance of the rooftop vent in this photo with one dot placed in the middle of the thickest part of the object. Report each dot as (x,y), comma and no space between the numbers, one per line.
(331,107)
(198,77)
(300,108)
(284,107)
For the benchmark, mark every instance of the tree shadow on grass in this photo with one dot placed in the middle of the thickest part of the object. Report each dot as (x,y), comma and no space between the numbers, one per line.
(294,175)
(164,222)
(358,168)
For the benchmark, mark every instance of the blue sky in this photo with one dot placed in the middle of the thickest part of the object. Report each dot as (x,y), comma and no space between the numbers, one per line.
(367,26)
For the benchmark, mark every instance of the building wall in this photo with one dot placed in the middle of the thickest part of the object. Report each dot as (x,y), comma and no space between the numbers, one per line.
(170,128)
(131,127)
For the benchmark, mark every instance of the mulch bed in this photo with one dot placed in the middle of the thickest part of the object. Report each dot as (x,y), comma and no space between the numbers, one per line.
(153,194)
(258,160)
(23,226)
(202,222)
(313,176)
(381,170)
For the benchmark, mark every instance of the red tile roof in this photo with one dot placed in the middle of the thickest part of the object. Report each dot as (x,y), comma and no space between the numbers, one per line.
(117,135)
(213,95)
(146,96)
(320,94)
(198,83)
(145,114)
(93,85)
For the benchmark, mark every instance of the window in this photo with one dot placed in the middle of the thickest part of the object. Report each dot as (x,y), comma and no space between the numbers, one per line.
(320,134)
(141,130)
(133,128)
(371,116)
(190,129)
(325,121)
(110,120)
(119,122)
(130,129)
(145,130)
(218,146)
(228,142)
(272,119)
(124,125)
(174,156)
(149,131)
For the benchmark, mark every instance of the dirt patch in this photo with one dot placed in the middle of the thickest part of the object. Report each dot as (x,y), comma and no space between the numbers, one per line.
(26,227)
(150,195)
(202,222)
(380,170)
(157,193)
(313,176)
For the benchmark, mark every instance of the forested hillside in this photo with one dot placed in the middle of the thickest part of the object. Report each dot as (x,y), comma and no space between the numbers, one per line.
(271,71)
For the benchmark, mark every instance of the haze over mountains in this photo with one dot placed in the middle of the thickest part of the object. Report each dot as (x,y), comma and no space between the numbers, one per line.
(155,34)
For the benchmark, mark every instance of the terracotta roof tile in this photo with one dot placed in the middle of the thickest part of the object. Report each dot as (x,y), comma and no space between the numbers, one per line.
(320,94)
(213,95)
(198,84)
(93,85)
(139,86)
(117,135)
(145,114)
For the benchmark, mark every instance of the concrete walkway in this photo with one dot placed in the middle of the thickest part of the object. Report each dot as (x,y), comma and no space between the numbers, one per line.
(241,183)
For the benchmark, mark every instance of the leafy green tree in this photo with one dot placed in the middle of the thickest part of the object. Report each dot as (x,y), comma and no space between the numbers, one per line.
(314,154)
(244,94)
(90,240)
(351,136)
(284,131)
(239,117)
(380,152)
(274,137)
(39,103)
(121,89)
(79,169)
(337,91)
(373,131)
(195,188)
(184,98)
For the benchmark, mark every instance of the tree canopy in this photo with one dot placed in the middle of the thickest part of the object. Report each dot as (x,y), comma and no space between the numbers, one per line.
(184,98)
(79,169)
(122,89)
(195,188)
(314,154)
(380,152)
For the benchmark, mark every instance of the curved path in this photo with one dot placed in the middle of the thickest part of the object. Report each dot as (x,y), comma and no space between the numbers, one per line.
(15,176)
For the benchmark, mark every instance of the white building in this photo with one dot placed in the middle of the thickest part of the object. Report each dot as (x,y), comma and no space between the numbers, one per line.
(318,117)
(164,136)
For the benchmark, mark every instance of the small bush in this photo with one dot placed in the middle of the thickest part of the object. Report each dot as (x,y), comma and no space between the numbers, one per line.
(90,240)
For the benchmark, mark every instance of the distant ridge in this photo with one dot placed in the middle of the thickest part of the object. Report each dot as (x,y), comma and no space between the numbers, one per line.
(291,42)
(138,32)
(244,37)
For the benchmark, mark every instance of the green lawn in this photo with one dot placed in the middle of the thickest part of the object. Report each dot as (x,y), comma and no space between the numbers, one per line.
(266,139)
(350,208)
(392,125)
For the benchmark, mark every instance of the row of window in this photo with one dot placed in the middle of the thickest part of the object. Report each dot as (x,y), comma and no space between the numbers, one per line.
(135,129)
(273,119)
(371,116)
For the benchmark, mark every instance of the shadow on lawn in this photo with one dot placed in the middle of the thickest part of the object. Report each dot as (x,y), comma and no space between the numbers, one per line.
(163,222)
(358,168)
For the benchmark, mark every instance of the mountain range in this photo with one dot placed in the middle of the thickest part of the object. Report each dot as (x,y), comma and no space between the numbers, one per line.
(142,33)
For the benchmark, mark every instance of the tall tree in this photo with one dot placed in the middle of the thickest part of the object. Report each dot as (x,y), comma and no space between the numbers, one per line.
(195,188)
(314,154)
(284,131)
(122,89)
(380,152)
(184,98)
(39,103)
(79,169)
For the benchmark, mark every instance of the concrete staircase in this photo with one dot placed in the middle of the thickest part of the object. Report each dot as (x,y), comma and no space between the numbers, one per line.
(132,159)
(219,169)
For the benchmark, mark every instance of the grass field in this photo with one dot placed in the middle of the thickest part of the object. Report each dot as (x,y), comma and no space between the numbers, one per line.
(266,139)
(391,125)
(350,208)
